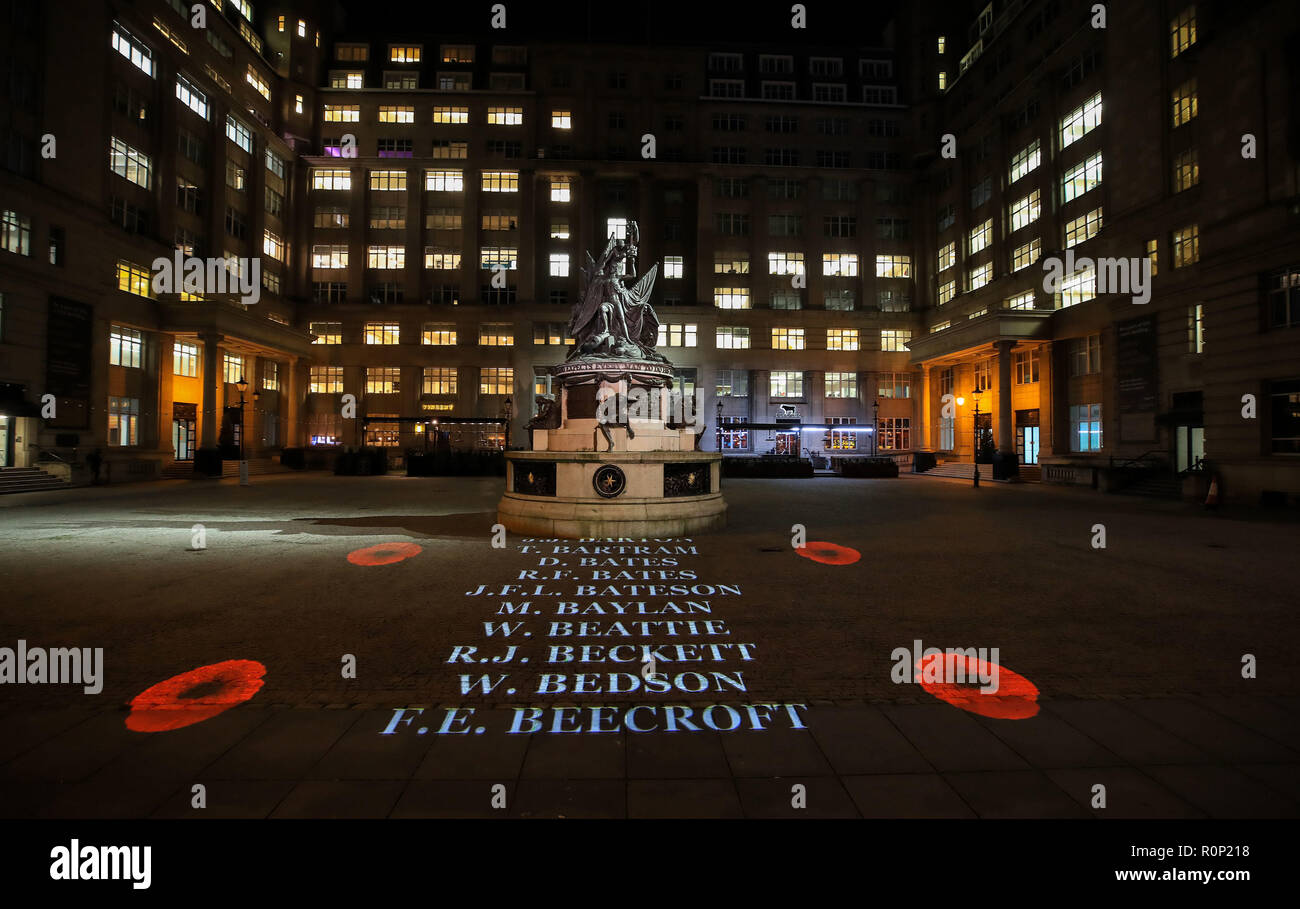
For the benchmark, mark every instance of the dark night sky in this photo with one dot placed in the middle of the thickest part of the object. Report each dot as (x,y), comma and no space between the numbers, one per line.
(638,22)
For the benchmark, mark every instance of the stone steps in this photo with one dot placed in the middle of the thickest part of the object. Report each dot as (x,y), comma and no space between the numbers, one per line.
(28,479)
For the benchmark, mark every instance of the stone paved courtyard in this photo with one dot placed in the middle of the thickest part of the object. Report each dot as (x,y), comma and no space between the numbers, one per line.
(1135,649)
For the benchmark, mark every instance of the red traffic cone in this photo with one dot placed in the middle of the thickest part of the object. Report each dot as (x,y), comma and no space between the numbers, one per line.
(1212,498)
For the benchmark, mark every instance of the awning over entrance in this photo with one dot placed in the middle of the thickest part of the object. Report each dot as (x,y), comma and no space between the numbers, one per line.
(965,338)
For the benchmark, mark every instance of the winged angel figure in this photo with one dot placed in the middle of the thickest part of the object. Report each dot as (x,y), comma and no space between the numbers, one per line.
(612,319)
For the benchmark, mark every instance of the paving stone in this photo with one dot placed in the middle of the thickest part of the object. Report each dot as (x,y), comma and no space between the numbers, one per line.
(121,799)
(551,798)
(337,799)
(1282,778)
(911,795)
(76,753)
(1261,715)
(682,799)
(950,739)
(1134,738)
(1045,740)
(1014,794)
(1211,731)
(576,756)
(365,753)
(1223,792)
(824,797)
(696,755)
(474,757)
(21,731)
(774,753)
(451,799)
(183,754)
(860,740)
(1129,793)
(285,747)
(228,799)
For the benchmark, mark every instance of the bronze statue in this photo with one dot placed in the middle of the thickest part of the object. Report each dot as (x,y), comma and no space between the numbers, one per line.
(612,320)
(548,413)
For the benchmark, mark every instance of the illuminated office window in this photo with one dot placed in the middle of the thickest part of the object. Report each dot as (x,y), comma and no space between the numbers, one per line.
(383,333)
(787,339)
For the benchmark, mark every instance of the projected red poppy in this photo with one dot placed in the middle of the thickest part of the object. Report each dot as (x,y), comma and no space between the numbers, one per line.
(829,553)
(384,553)
(1015,699)
(195,696)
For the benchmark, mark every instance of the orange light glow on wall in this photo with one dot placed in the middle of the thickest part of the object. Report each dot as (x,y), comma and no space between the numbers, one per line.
(195,696)
(384,553)
(1015,699)
(829,553)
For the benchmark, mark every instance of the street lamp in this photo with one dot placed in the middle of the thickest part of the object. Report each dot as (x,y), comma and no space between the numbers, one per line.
(875,429)
(242,385)
(717,427)
(976,435)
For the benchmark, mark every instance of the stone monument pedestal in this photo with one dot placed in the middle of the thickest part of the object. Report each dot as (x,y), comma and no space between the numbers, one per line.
(619,463)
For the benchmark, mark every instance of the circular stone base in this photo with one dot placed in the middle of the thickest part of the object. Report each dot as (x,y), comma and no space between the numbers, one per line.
(624,517)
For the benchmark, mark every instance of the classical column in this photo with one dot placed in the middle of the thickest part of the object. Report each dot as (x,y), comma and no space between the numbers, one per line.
(211,418)
(924,427)
(1006,441)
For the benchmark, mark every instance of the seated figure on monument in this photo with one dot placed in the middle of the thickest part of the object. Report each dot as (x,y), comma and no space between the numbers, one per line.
(611,319)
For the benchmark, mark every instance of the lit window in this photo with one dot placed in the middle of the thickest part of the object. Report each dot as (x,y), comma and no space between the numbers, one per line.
(232,369)
(1025,211)
(785,384)
(133,279)
(185,359)
(1077,288)
(302,29)
(980,237)
(386,257)
(841,264)
(496,380)
(325,380)
(16,233)
(329,256)
(1085,427)
(947,291)
(842,339)
(352,53)
(941,326)
(457,53)
(731,297)
(893,266)
(403,53)
(255,79)
(383,380)
(1187,172)
(731,337)
(438,334)
(505,116)
(297,104)
(1025,160)
(396,114)
(561,189)
(1026,366)
(324,178)
(895,339)
(451,115)
(383,333)
(450,181)
(780,263)
(1182,31)
(1081,121)
(1026,255)
(270,375)
(1082,228)
(561,119)
(129,163)
(1081,178)
(1153,254)
(559,265)
(441,258)
(439,380)
(388,180)
(1184,102)
(342,113)
(1186,246)
(1020,301)
(787,339)
(132,48)
(492,257)
(500,181)
(979,276)
(948,256)
(617,227)
(673,266)
(239,134)
(1196,328)
(677,335)
(191,96)
(327,332)
(841,384)
(124,347)
(123,421)
(272,246)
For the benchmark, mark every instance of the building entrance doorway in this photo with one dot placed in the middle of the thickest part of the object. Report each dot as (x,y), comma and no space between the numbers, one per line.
(787,443)
(1027,436)
(984,446)
(184,426)
(1191,446)
(6,434)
